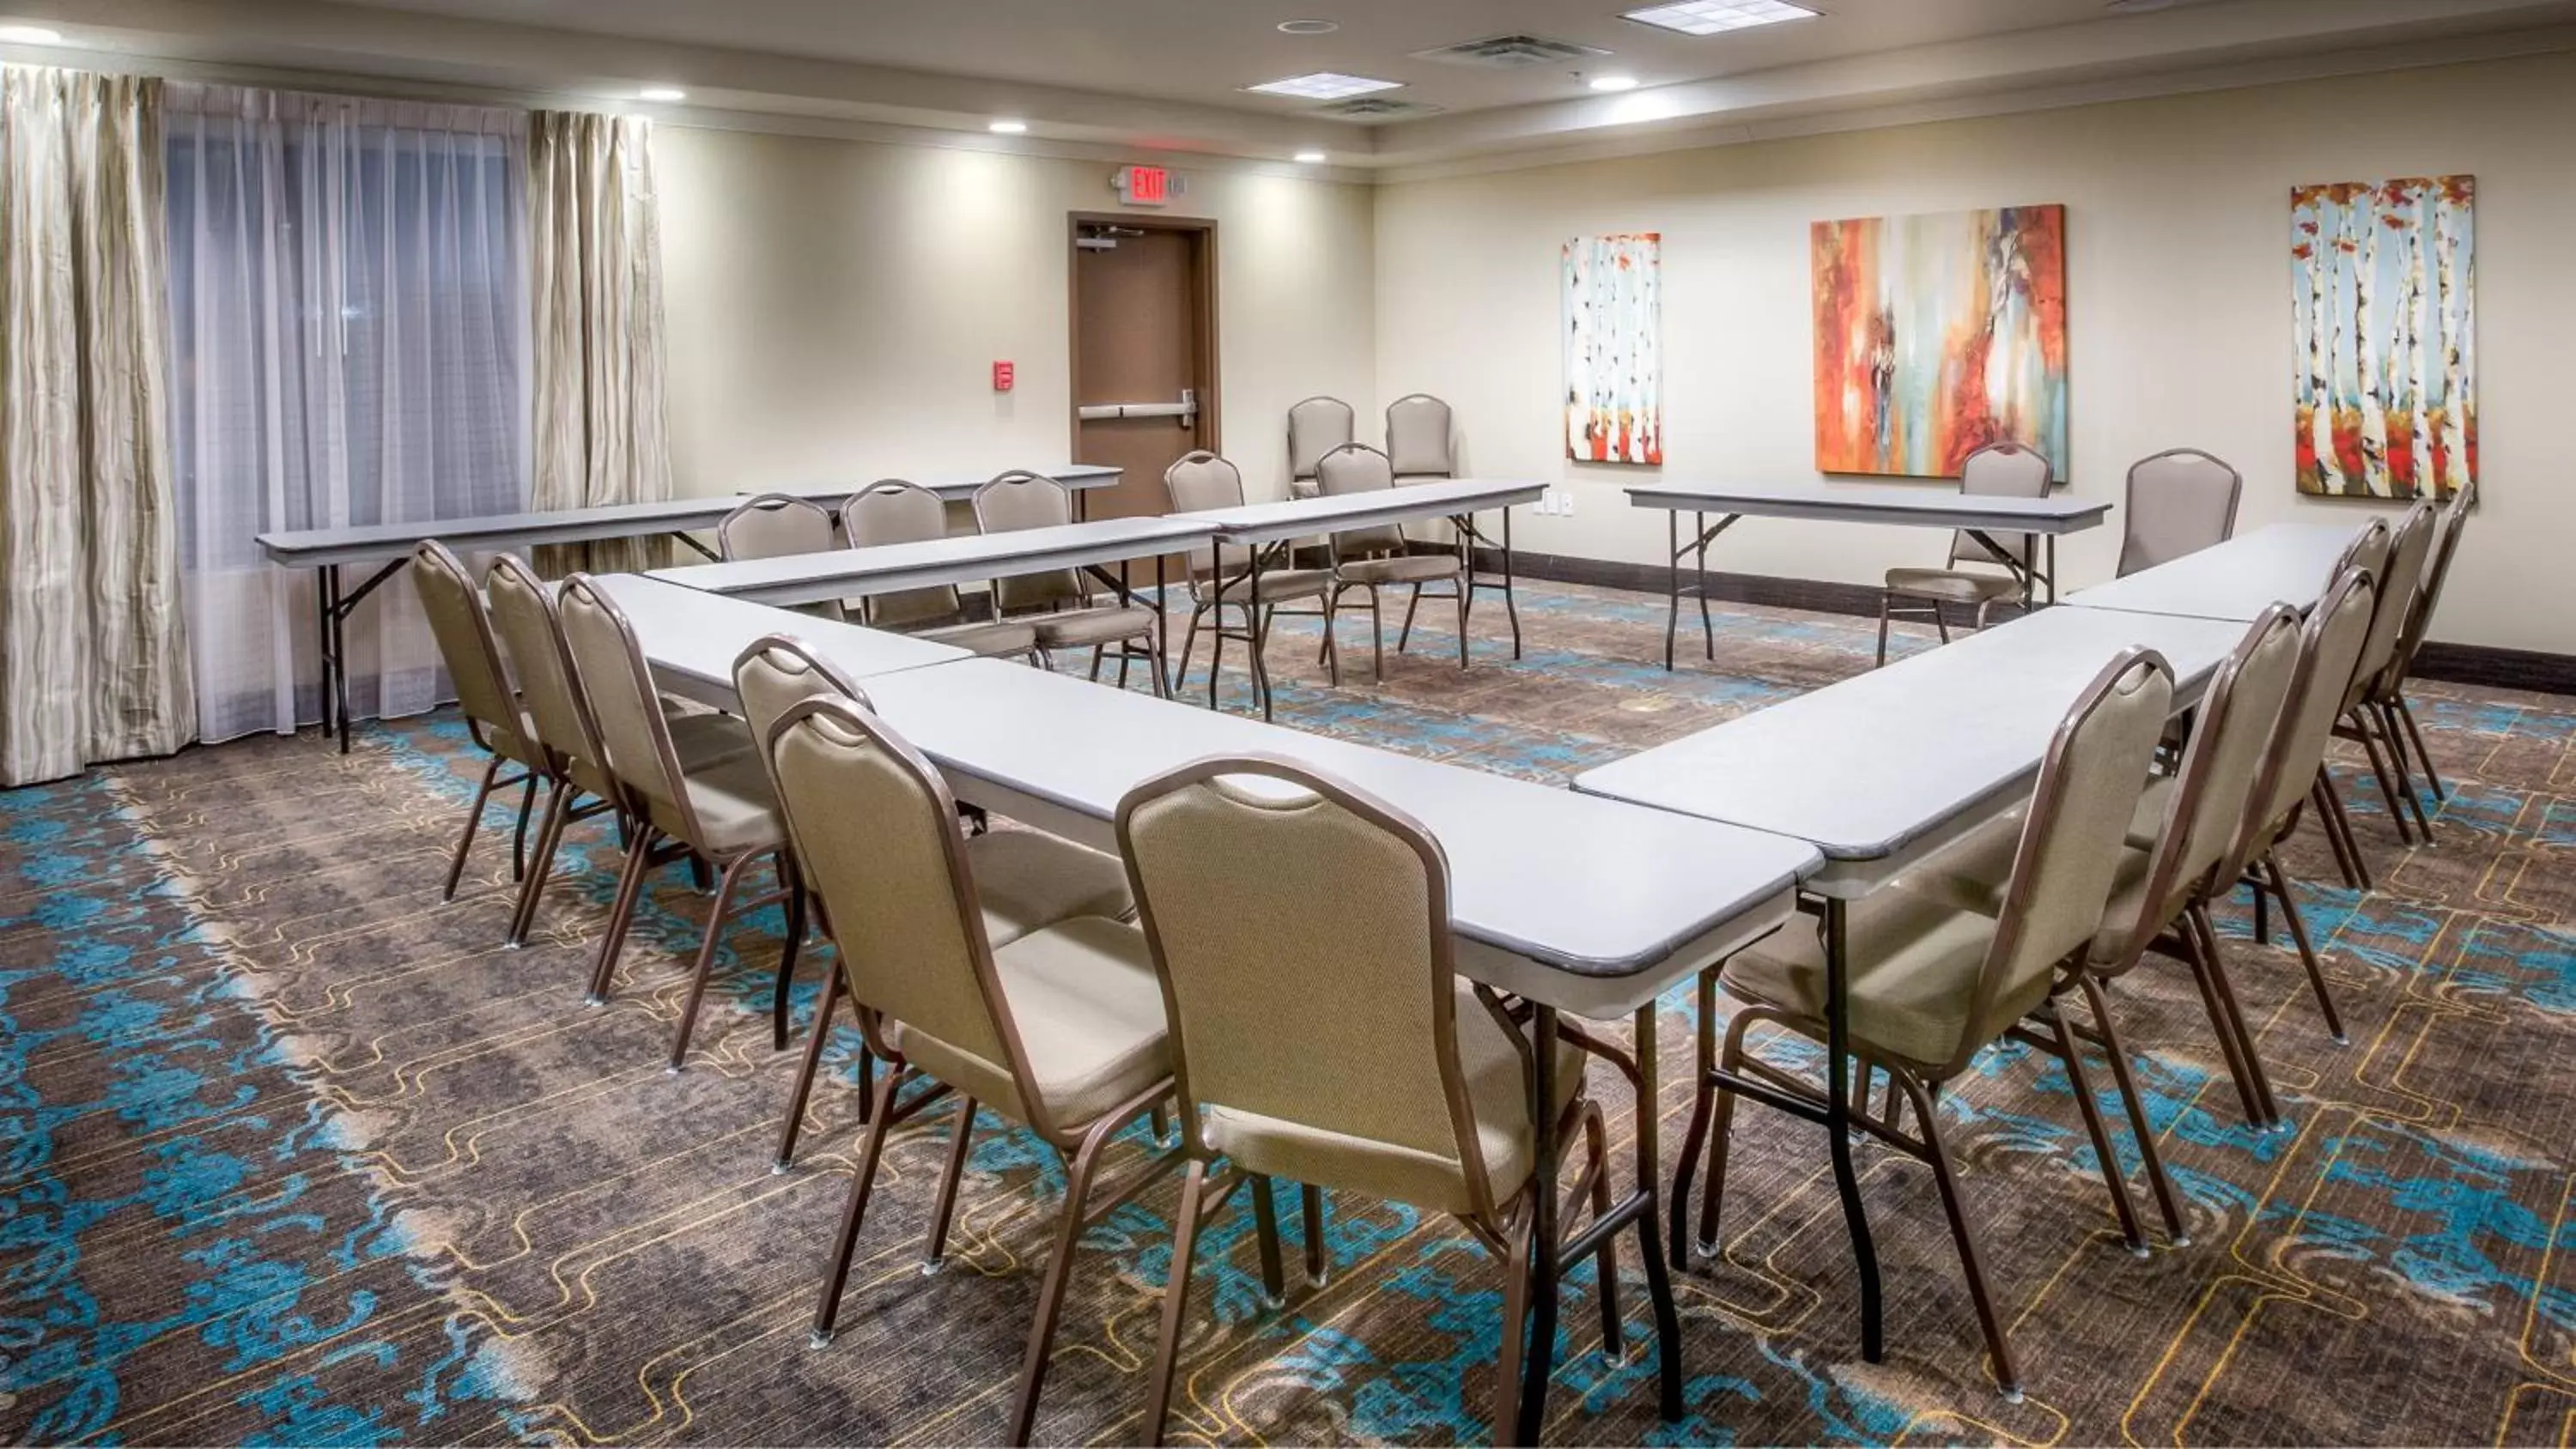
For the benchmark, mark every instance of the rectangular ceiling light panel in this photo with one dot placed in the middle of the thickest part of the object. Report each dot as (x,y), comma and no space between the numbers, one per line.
(1716,17)
(1324,85)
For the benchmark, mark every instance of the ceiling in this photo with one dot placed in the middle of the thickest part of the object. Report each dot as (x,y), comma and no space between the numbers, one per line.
(1170,74)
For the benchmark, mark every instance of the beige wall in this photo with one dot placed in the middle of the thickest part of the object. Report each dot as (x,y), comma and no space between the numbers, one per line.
(2178,307)
(835,306)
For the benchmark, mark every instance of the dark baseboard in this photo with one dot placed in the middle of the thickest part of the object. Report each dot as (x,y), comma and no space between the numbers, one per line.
(2523,669)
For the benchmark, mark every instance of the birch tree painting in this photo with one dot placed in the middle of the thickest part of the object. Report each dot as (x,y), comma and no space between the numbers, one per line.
(1614,370)
(2383,299)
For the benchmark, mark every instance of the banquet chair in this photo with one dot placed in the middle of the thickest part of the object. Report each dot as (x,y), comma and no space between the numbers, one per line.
(1057,603)
(1414,1086)
(1933,981)
(2367,552)
(495,716)
(1025,881)
(2006,470)
(1377,558)
(2388,691)
(2366,719)
(1060,1030)
(776,525)
(2181,501)
(719,809)
(1419,443)
(1221,575)
(893,511)
(1316,426)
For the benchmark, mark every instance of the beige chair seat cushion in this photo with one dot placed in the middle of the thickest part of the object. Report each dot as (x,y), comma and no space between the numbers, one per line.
(733,800)
(1914,960)
(1497,1090)
(1011,636)
(1027,882)
(1278,586)
(1953,586)
(700,740)
(1080,627)
(1090,1016)
(1402,568)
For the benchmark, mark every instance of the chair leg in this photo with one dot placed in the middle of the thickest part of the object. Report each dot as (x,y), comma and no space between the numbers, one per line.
(519,837)
(1265,1228)
(1404,635)
(1703,1099)
(1176,1295)
(2369,737)
(1059,1269)
(621,911)
(1882,632)
(1596,1144)
(789,950)
(1941,621)
(2158,1180)
(1310,1204)
(2392,730)
(2270,1105)
(1377,637)
(1971,1259)
(1520,1234)
(836,1268)
(2346,862)
(814,1048)
(1466,597)
(2089,1107)
(2280,879)
(716,915)
(1330,654)
(1721,1129)
(533,885)
(961,1138)
(1153,661)
(2415,732)
(473,818)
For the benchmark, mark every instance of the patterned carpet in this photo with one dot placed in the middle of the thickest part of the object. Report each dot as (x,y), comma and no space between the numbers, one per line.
(296,1153)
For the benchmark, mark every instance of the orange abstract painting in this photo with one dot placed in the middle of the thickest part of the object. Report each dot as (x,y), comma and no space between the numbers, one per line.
(1939,334)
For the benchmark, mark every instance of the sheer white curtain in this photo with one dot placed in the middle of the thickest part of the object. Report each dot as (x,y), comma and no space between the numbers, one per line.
(349,303)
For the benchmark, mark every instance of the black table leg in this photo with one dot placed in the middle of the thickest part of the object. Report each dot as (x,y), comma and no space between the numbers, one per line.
(335,658)
(1252,628)
(1511,609)
(1838,1125)
(1673,620)
(1538,1364)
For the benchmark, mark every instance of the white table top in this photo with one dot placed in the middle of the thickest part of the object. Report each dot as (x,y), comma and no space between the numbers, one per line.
(1919,505)
(1880,769)
(955,486)
(692,639)
(383,542)
(1340,513)
(809,578)
(2283,563)
(1611,902)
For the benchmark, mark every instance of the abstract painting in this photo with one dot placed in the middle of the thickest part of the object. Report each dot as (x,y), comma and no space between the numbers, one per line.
(1614,350)
(1939,334)
(2383,292)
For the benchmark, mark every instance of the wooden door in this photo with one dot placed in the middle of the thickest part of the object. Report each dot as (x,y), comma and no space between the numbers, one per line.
(1144,352)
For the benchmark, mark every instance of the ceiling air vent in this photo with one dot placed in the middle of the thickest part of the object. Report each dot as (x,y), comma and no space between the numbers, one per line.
(1511,52)
(1375,108)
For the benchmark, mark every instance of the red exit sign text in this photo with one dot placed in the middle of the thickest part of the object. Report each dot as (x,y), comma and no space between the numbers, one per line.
(1145,185)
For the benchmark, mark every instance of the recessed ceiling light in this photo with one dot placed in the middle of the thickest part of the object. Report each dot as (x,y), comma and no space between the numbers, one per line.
(1312,158)
(30,35)
(1613,83)
(1324,85)
(1309,27)
(1715,17)
(1007,128)
(662,93)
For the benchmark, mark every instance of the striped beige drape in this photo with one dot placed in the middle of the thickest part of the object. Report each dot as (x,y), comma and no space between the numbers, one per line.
(93,650)
(595,263)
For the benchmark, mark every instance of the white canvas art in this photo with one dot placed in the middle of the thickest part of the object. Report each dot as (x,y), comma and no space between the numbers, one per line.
(1614,352)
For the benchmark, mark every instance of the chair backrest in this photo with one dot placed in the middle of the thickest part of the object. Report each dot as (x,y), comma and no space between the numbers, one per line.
(608,666)
(2071,841)
(2437,572)
(1315,427)
(777,672)
(1418,438)
(465,641)
(2205,822)
(2181,501)
(891,510)
(523,609)
(774,525)
(875,833)
(2329,652)
(1199,481)
(1301,931)
(1359,468)
(2000,470)
(2367,552)
(2407,548)
(1017,500)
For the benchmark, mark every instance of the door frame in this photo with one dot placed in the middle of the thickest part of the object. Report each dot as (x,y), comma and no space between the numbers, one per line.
(1204,336)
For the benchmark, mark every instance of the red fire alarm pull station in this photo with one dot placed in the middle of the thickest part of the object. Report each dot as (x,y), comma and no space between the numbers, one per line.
(1002,376)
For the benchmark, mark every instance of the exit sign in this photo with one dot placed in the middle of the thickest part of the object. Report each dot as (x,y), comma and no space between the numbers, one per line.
(1145,185)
